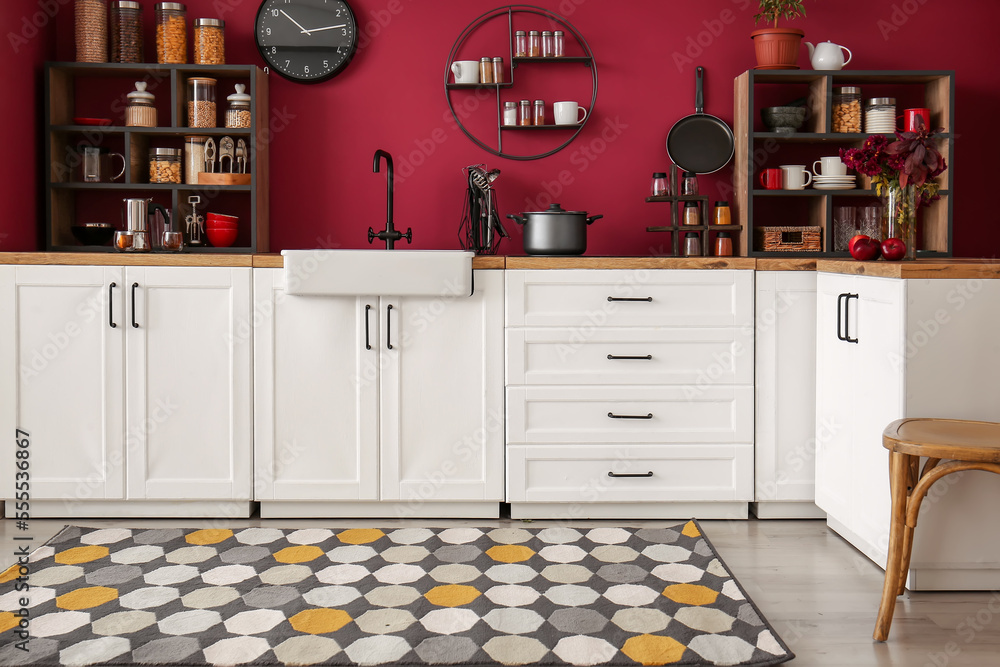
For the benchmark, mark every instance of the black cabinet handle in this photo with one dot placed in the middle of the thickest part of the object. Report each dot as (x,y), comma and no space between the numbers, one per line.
(111,305)
(630,474)
(388,326)
(840,310)
(135,286)
(847,318)
(630,298)
(646,416)
(368,344)
(647,357)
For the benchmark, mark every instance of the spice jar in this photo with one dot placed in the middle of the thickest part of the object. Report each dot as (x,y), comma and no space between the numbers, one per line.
(548,47)
(847,109)
(520,44)
(691,214)
(722,215)
(723,245)
(201,102)
(510,113)
(140,111)
(194,158)
(534,44)
(660,186)
(209,42)
(171,32)
(539,116)
(126,32)
(524,115)
(558,44)
(486,70)
(498,70)
(692,244)
(689,183)
(238,114)
(91,23)
(880,115)
(164,165)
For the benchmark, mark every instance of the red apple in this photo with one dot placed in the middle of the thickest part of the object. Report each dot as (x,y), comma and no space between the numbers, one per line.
(893,249)
(855,239)
(865,249)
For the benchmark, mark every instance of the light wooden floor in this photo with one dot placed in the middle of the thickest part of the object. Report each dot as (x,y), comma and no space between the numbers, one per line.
(818,592)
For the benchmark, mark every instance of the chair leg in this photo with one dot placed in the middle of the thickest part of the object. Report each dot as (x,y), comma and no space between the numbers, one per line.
(904,568)
(898,473)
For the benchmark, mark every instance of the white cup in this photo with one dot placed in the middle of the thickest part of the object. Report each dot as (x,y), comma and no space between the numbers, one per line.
(466,71)
(832,166)
(795,176)
(568,113)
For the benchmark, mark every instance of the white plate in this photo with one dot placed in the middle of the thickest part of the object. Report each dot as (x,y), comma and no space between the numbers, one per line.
(832,186)
(834,181)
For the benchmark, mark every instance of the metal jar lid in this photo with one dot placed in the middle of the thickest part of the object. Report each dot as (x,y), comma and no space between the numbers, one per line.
(165,152)
(558,32)
(882,102)
(171,6)
(486,60)
(209,23)
(546,32)
(510,105)
(660,174)
(520,32)
(126,4)
(533,32)
(847,90)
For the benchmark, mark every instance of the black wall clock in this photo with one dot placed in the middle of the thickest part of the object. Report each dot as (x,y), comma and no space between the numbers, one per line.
(306,41)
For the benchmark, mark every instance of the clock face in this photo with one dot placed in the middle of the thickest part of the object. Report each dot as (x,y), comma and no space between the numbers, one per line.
(306,40)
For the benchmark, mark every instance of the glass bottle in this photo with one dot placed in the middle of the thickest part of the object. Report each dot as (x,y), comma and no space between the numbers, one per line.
(691,214)
(91,23)
(171,32)
(140,111)
(660,186)
(723,245)
(238,113)
(534,44)
(548,47)
(689,183)
(539,117)
(722,215)
(209,42)
(498,70)
(524,116)
(510,113)
(558,44)
(520,44)
(847,109)
(201,102)
(486,70)
(194,158)
(126,32)
(692,244)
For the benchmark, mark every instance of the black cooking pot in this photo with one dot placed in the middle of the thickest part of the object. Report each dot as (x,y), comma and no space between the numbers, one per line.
(555,231)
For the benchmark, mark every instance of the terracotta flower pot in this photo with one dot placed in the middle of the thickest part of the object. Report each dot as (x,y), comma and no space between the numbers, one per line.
(777,48)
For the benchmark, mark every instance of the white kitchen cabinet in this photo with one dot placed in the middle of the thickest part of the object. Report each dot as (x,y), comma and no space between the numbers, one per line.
(892,348)
(134,385)
(379,406)
(784,445)
(629,393)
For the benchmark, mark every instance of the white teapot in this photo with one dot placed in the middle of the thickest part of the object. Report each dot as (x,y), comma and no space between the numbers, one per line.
(827,55)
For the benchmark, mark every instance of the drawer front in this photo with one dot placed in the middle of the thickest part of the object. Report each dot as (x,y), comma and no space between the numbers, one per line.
(630,414)
(589,299)
(681,356)
(561,473)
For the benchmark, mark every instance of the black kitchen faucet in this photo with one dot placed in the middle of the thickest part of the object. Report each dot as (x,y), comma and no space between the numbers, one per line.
(390,234)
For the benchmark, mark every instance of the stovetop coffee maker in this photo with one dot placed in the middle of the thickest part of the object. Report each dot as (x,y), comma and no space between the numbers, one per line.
(137,212)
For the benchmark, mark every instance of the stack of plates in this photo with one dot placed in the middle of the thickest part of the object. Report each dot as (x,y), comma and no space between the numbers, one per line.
(835,182)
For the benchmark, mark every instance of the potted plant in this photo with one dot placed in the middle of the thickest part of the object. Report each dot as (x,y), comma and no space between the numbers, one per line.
(777,48)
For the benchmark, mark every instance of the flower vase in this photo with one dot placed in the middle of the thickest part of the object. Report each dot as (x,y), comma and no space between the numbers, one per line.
(900,217)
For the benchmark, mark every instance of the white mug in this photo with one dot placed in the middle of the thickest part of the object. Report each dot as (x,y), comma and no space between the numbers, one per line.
(568,113)
(832,166)
(466,71)
(796,176)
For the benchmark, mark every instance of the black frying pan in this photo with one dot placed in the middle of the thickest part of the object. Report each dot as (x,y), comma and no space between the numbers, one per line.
(700,142)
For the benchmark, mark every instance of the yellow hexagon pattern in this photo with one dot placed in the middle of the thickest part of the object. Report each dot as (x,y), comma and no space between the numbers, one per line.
(452,595)
(78,555)
(208,536)
(302,554)
(320,621)
(692,594)
(653,649)
(510,553)
(86,598)
(360,535)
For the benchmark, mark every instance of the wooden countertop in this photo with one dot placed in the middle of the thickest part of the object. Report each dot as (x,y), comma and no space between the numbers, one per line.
(961,267)
(630,262)
(127,259)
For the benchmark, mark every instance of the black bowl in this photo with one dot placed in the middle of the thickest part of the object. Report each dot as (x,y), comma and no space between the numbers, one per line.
(94,233)
(783,120)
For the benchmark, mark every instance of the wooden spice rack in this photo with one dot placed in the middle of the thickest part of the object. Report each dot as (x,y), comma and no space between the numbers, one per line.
(69,201)
(704,229)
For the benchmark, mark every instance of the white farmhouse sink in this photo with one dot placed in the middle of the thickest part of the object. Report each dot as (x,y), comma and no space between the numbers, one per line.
(378,272)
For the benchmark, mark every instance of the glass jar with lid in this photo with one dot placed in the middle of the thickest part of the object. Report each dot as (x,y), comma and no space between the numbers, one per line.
(126,32)
(847,109)
(534,44)
(194,158)
(558,44)
(510,113)
(692,244)
(689,183)
(520,44)
(209,42)
(164,165)
(201,102)
(660,186)
(238,114)
(722,215)
(524,113)
(880,115)
(171,32)
(538,117)
(548,47)
(140,111)
(692,214)
(91,23)
(723,245)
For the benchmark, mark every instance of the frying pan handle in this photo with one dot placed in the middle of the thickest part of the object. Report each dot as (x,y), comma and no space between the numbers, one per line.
(591,219)
(699,95)
(519,219)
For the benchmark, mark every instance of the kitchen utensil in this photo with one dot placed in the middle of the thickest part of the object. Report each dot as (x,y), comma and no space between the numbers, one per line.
(568,113)
(481,229)
(241,156)
(783,120)
(227,149)
(831,166)
(827,55)
(555,231)
(137,212)
(795,176)
(700,142)
(915,120)
(96,165)
(93,233)
(210,156)
(194,223)
(466,71)
(771,179)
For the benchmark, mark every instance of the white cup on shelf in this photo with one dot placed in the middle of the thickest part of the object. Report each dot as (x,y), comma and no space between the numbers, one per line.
(795,176)
(568,113)
(831,166)
(466,71)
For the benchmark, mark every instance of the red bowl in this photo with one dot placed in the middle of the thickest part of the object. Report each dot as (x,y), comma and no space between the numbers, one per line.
(221,238)
(220,217)
(221,225)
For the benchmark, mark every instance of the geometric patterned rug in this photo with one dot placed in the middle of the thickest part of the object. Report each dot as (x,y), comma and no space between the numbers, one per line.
(404,596)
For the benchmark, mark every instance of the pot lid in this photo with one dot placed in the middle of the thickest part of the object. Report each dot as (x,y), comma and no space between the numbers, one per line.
(556,208)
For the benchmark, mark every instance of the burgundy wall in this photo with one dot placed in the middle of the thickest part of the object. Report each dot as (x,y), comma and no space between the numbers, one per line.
(392,97)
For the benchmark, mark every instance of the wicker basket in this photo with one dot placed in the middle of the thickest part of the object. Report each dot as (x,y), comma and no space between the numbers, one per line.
(788,239)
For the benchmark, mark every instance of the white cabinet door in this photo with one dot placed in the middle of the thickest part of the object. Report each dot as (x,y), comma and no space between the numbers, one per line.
(316,367)
(785,386)
(189,426)
(836,382)
(61,378)
(442,430)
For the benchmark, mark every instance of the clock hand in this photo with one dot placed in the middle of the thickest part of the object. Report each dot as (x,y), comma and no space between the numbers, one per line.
(329,27)
(296,23)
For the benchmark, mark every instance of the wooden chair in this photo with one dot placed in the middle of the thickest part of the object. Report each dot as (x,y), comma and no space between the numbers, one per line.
(950,445)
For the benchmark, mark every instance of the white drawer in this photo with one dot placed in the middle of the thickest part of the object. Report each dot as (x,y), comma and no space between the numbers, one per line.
(636,355)
(580,298)
(561,473)
(630,414)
